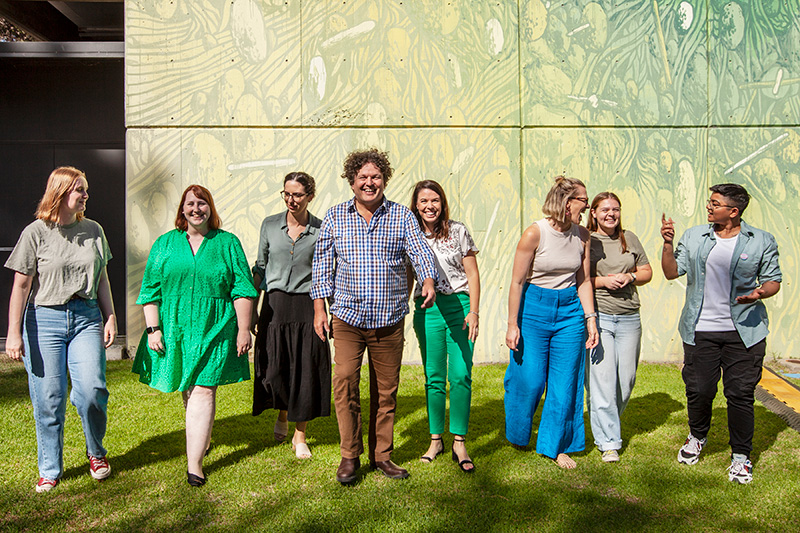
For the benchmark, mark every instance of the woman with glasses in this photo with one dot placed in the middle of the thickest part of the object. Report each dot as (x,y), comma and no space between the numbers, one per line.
(292,364)
(618,264)
(550,313)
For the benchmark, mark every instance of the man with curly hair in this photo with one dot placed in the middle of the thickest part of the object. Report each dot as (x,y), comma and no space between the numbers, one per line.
(360,265)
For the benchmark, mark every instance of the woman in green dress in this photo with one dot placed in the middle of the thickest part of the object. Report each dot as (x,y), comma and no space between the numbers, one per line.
(197,294)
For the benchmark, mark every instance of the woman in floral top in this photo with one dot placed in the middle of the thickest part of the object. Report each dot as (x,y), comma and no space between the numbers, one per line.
(447,331)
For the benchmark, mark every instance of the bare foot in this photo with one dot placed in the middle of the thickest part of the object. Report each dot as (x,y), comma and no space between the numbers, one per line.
(565,461)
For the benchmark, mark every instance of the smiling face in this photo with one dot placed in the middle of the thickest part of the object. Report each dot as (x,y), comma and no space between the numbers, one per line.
(74,201)
(296,198)
(196,211)
(578,203)
(429,207)
(607,214)
(368,186)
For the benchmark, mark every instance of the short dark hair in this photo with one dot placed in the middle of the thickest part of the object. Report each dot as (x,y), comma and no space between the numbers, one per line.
(733,192)
(356,160)
(303,179)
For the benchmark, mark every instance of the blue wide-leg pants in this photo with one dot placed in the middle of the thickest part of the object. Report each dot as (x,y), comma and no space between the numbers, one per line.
(550,356)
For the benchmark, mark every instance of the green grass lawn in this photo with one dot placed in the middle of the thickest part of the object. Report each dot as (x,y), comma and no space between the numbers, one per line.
(256,484)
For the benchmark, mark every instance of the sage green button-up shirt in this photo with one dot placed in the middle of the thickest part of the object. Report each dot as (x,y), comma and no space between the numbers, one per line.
(285,264)
(755,261)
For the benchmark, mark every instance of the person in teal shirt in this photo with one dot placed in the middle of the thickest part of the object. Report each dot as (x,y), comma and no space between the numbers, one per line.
(730,267)
(197,294)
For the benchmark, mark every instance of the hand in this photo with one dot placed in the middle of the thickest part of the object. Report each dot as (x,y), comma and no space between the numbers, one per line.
(428,292)
(243,342)
(471,322)
(617,281)
(254,321)
(155,341)
(110,330)
(512,337)
(667,229)
(15,348)
(321,325)
(752,297)
(592,337)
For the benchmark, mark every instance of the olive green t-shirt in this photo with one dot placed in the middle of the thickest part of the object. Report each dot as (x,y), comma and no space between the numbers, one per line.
(606,258)
(65,261)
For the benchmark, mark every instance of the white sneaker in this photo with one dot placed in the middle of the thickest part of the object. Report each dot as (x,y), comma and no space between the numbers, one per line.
(740,471)
(690,451)
(610,456)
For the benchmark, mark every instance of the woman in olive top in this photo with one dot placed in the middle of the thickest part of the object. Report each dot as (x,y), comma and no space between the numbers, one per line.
(618,264)
(292,364)
(55,321)
(197,295)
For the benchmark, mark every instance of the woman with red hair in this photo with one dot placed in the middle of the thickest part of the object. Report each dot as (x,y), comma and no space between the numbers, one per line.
(197,294)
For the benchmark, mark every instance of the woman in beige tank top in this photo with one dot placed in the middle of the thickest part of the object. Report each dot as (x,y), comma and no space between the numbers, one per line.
(550,313)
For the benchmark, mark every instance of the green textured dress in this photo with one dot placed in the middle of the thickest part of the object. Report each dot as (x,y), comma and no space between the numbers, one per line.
(195,295)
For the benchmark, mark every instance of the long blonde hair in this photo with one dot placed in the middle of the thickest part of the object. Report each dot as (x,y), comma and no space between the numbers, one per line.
(59,184)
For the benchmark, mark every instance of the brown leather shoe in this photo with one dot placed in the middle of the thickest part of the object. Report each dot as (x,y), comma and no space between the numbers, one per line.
(390,469)
(346,473)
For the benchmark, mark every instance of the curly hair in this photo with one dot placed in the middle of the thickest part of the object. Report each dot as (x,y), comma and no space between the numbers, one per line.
(356,160)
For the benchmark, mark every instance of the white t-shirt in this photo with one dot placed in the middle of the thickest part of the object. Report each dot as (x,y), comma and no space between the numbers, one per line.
(715,315)
(449,254)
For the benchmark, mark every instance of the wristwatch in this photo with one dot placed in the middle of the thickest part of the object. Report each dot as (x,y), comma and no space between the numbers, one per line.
(152,329)
(633,277)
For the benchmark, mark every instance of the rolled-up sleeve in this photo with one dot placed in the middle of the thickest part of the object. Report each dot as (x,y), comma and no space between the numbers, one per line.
(769,269)
(324,255)
(682,255)
(418,251)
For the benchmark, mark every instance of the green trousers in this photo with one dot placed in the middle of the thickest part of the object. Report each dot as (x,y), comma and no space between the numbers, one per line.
(446,356)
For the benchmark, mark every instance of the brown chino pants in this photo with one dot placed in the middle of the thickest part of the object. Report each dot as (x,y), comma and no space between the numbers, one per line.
(385,349)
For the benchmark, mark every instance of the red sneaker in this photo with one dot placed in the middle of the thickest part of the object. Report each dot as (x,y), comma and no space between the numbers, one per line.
(99,467)
(45,485)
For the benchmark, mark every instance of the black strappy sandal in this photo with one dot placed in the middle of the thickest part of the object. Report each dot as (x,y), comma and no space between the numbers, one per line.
(428,460)
(461,464)
(194,480)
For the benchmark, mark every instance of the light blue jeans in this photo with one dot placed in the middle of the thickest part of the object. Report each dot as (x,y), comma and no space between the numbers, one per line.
(58,339)
(612,373)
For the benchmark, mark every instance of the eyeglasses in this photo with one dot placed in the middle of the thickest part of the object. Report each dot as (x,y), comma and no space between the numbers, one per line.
(581,198)
(298,196)
(715,204)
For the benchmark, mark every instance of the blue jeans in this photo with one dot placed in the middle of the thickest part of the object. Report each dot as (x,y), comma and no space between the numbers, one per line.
(550,354)
(612,374)
(57,339)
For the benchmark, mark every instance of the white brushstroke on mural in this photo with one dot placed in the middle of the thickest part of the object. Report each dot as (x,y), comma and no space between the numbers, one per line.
(778,79)
(489,226)
(349,33)
(578,29)
(594,100)
(456,69)
(248,31)
(495,34)
(686,15)
(761,150)
(461,160)
(266,163)
(318,75)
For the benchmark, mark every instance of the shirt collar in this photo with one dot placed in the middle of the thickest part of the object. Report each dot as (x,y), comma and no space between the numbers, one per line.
(744,229)
(309,226)
(351,205)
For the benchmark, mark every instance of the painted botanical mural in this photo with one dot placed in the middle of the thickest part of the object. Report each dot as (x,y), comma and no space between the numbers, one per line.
(655,100)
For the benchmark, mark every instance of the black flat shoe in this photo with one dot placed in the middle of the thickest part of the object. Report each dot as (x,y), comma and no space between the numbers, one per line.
(195,480)
(428,460)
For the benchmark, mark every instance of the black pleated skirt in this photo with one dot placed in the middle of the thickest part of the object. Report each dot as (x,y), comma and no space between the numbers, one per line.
(292,364)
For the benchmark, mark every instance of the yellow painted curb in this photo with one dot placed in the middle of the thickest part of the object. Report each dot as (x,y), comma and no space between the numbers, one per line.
(779,388)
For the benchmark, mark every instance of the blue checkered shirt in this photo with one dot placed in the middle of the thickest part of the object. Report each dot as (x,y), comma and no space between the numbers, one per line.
(363,266)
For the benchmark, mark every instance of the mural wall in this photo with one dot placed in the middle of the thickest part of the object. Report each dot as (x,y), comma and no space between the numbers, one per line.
(655,100)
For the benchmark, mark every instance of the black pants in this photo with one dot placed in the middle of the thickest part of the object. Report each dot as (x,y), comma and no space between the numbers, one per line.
(741,371)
